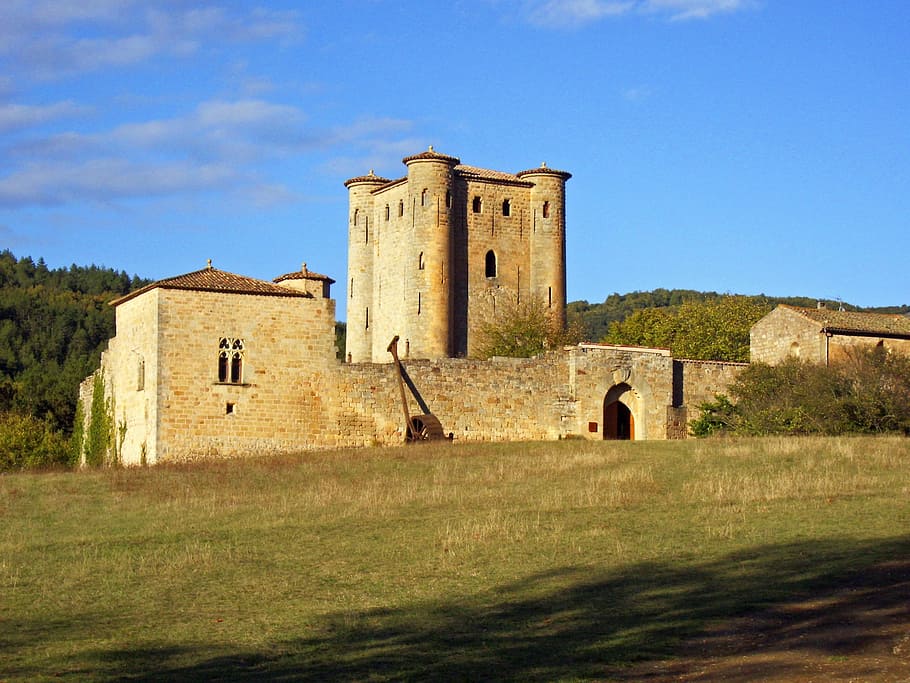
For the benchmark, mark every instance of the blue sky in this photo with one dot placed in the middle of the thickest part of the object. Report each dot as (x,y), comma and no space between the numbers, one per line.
(743,146)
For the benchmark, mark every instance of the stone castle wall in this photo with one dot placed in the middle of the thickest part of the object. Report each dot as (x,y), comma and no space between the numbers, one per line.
(294,395)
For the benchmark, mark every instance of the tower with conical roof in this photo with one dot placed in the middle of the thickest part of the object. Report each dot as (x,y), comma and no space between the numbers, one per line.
(436,253)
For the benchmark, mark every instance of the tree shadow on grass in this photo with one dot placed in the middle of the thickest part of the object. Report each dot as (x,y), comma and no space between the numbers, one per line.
(645,622)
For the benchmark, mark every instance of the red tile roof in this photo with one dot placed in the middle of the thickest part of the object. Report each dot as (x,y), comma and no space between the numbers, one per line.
(475,173)
(543,169)
(855,322)
(304,275)
(431,154)
(368,178)
(214,280)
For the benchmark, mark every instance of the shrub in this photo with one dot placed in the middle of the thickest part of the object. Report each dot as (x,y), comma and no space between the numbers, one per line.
(867,393)
(27,443)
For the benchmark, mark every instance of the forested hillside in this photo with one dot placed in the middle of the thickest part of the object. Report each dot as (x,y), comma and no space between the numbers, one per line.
(54,323)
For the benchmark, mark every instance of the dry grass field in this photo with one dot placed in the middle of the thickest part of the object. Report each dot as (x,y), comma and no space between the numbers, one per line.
(735,560)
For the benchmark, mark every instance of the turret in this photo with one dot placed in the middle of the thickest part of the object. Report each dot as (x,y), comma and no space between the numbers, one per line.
(548,237)
(361,239)
(428,265)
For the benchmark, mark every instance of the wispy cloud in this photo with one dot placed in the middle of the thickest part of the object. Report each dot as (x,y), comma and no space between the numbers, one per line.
(56,38)
(103,180)
(18,116)
(218,146)
(572,13)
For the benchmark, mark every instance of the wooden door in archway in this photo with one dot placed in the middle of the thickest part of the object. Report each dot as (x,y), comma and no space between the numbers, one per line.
(619,424)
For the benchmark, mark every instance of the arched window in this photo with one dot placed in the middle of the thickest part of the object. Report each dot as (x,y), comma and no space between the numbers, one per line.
(423,197)
(477,204)
(546,209)
(230,360)
(490,266)
(356,216)
(506,207)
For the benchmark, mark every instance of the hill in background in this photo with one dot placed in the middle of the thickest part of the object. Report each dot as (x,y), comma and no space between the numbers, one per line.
(54,323)
(595,319)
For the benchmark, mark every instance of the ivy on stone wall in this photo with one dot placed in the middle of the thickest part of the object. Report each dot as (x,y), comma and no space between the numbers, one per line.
(99,436)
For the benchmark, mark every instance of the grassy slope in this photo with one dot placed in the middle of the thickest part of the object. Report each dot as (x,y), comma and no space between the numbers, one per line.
(526,561)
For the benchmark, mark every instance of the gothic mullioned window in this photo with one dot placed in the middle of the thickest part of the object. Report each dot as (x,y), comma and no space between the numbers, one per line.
(230,360)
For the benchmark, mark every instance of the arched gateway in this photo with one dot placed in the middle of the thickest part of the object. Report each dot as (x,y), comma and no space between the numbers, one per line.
(618,417)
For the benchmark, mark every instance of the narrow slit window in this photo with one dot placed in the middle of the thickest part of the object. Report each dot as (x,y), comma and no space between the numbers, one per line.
(546,209)
(418,303)
(387,212)
(506,207)
(420,262)
(490,266)
(400,208)
(549,297)
(448,199)
(367,319)
(477,204)
(423,197)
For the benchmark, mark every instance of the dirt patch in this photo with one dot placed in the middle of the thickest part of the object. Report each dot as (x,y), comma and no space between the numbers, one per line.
(856,631)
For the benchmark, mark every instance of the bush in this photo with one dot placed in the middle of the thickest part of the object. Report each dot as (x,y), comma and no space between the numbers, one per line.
(868,393)
(27,443)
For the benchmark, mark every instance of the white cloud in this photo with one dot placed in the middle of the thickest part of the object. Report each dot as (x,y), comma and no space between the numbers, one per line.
(102,180)
(220,145)
(18,116)
(679,10)
(49,38)
(562,13)
(571,13)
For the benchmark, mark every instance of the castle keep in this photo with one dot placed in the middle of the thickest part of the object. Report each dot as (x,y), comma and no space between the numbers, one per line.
(430,255)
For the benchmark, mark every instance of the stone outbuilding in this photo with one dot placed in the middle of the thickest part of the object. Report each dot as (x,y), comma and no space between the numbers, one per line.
(824,335)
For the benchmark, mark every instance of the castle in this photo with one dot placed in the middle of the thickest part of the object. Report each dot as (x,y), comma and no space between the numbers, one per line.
(214,364)
(431,254)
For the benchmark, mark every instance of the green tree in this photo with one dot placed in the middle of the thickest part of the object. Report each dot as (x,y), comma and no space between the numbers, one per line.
(523,329)
(714,329)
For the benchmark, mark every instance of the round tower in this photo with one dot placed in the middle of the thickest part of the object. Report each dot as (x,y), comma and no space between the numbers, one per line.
(428,259)
(548,238)
(361,238)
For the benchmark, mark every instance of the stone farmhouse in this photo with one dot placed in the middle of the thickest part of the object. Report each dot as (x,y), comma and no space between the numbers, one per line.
(215,364)
(823,335)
